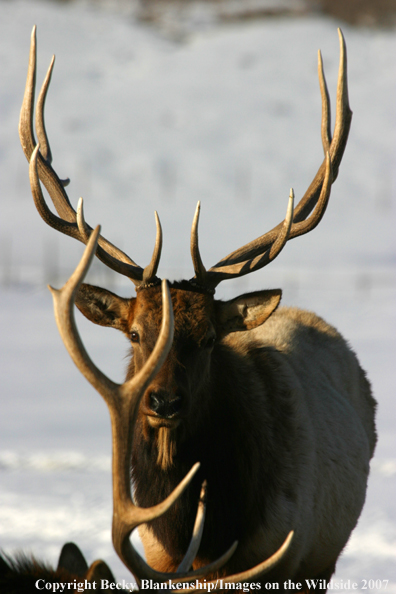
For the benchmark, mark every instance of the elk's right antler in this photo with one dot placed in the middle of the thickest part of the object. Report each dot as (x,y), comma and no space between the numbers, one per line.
(69,221)
(123,402)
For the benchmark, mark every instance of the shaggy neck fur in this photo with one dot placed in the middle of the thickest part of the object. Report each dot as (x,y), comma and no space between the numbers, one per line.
(227,453)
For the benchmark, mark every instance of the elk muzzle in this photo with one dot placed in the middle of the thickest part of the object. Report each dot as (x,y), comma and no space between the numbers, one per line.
(163,408)
(165,405)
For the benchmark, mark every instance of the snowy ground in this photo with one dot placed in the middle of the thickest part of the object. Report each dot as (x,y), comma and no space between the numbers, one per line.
(230,117)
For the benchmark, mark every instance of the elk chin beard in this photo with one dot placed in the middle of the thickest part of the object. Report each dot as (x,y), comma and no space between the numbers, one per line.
(166,445)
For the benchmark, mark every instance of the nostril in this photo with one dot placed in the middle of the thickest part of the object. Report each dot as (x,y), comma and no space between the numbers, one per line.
(174,405)
(156,402)
(164,405)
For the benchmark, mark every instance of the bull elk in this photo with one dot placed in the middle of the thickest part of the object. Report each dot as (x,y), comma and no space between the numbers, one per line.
(270,400)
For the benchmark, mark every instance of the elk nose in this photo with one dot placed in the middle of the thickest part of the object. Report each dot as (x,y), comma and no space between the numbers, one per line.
(165,405)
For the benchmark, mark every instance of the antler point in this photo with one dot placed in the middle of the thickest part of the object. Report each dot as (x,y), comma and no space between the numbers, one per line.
(53,291)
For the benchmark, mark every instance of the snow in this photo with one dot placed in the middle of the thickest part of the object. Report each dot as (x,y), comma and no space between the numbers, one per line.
(139,122)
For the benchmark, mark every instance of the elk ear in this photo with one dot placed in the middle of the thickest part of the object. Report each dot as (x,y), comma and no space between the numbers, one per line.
(103,307)
(247,311)
(98,571)
(72,559)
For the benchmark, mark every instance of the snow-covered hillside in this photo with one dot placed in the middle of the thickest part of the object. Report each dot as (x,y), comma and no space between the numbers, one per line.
(230,117)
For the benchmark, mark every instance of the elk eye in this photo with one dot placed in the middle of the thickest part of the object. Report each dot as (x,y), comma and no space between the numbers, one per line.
(210,342)
(135,337)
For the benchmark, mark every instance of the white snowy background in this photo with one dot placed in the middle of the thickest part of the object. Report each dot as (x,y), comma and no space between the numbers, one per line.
(229,115)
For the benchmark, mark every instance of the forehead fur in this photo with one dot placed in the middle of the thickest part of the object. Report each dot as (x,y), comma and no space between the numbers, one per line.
(193,309)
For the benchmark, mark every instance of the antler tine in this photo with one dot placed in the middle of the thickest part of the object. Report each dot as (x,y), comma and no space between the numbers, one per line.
(343,110)
(149,273)
(318,192)
(326,113)
(199,268)
(40,125)
(196,538)
(66,223)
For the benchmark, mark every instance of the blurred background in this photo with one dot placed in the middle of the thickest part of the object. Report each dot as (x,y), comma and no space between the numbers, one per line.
(155,105)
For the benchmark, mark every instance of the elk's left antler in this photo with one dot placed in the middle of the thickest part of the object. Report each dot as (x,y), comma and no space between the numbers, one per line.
(258,253)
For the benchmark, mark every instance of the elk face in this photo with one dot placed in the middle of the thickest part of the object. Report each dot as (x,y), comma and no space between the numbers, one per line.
(170,397)
(201,322)
(173,394)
